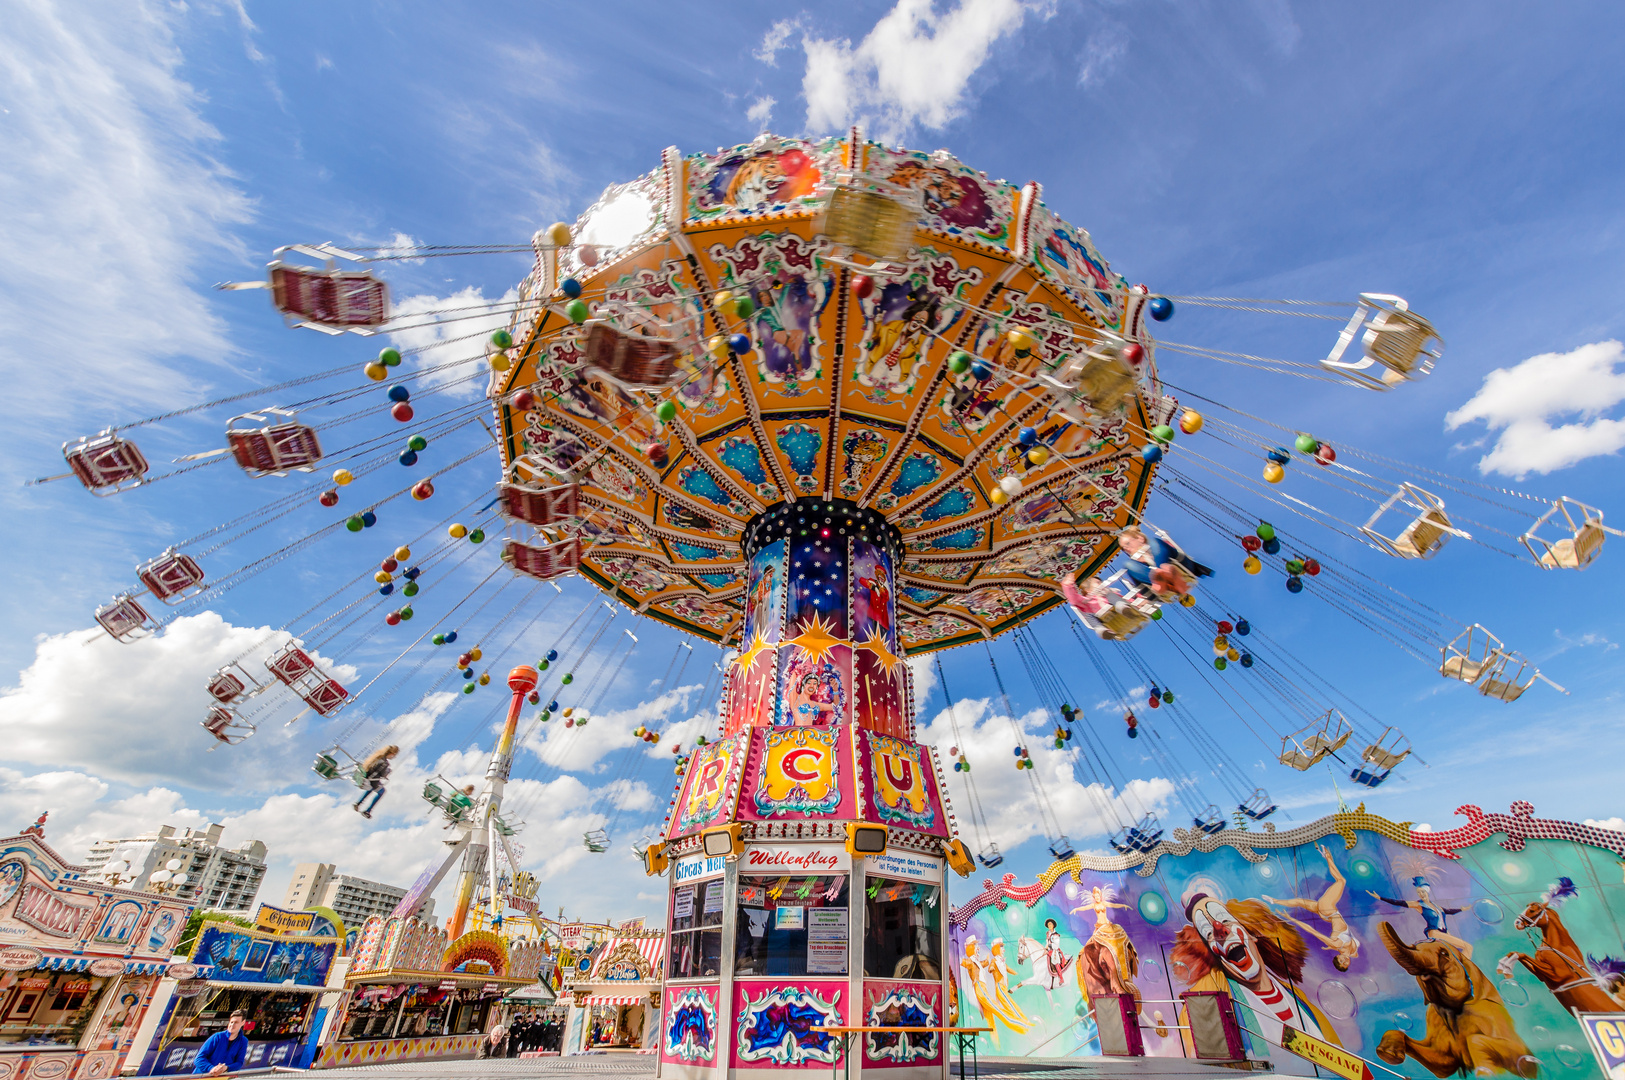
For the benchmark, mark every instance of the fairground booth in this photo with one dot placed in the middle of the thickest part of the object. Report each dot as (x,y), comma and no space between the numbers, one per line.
(415,996)
(613,997)
(79,963)
(284,973)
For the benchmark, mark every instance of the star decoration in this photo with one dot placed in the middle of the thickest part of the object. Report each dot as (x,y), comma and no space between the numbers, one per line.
(748,657)
(815,638)
(877,645)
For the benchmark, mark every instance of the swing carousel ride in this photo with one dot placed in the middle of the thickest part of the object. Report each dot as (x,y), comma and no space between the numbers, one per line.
(825,405)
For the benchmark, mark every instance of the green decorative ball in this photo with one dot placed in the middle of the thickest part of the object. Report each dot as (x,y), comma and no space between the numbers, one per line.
(743,307)
(1156,615)
(1307,444)
(578,311)
(468,688)
(355,524)
(666,411)
(439,639)
(411,589)
(541,665)
(1163,434)
(959,362)
(406,613)
(417,442)
(1265,531)
(477,536)
(1294,566)
(568,679)
(389,357)
(502,339)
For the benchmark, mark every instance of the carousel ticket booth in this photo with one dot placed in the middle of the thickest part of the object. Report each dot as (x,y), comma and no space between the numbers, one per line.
(805,850)
(80,964)
(614,1004)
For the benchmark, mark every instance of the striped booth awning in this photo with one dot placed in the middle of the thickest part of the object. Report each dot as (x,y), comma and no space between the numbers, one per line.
(610,962)
(65,963)
(145,967)
(613,999)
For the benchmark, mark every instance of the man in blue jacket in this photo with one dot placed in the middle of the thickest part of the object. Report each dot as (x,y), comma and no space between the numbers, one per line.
(224,1051)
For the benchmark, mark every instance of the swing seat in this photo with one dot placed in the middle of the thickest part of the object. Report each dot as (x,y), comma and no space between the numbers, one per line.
(328,299)
(1368,778)
(226,725)
(1258,805)
(1382,759)
(543,563)
(1143,835)
(1211,820)
(1473,652)
(1503,683)
(870,222)
(171,577)
(1314,742)
(459,803)
(991,856)
(123,618)
(225,687)
(1460,667)
(325,697)
(631,361)
(1426,533)
(106,463)
(358,777)
(1297,759)
(597,841)
(503,828)
(1062,848)
(539,505)
(1398,345)
(1424,536)
(326,767)
(290,664)
(275,449)
(1099,383)
(1575,551)
(432,794)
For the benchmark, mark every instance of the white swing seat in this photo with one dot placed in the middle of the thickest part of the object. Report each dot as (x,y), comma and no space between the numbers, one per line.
(1098,383)
(1382,759)
(1427,532)
(1395,347)
(1575,551)
(1471,654)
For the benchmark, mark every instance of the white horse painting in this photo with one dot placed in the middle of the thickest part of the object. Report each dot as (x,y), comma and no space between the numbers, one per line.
(1045,976)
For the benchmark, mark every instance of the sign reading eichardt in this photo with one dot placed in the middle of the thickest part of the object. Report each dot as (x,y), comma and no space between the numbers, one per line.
(54,914)
(807,860)
(281,921)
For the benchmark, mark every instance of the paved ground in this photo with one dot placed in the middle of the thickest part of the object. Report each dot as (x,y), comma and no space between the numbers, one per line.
(622,1064)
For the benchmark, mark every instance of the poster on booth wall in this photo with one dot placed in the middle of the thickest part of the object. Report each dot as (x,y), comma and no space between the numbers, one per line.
(713,897)
(827,941)
(682,902)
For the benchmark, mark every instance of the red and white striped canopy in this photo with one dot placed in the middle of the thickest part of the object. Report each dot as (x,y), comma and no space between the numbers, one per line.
(613,999)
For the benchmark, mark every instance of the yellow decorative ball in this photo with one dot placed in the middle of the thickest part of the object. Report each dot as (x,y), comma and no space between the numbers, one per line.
(997,497)
(500,361)
(1233,654)
(1187,601)
(402,554)
(1273,473)
(475,653)
(1038,455)
(342,476)
(1251,564)
(376,371)
(383,577)
(558,234)
(457,532)
(1191,422)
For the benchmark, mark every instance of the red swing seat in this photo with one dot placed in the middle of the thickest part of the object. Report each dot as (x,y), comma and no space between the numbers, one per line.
(171,577)
(123,618)
(637,363)
(543,563)
(106,463)
(341,299)
(325,697)
(275,449)
(539,506)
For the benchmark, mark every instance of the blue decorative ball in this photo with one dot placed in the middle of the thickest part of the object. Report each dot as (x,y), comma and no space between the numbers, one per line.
(1018,751)
(1246,659)
(1243,627)
(570,287)
(1028,436)
(451,636)
(981,371)
(1152,453)
(552,706)
(468,673)
(369,519)
(1280,456)
(1134,733)
(412,574)
(1162,309)
(1294,584)
(552,654)
(738,343)
(399,393)
(408,457)
(386,589)
(1272,546)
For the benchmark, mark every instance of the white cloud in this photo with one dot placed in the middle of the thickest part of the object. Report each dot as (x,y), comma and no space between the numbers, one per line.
(923,669)
(761,112)
(1521,402)
(1014,812)
(112,202)
(137,719)
(1102,54)
(1615,823)
(446,329)
(913,68)
(777,38)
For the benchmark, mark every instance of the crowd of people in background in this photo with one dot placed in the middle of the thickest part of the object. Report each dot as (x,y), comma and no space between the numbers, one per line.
(530,1031)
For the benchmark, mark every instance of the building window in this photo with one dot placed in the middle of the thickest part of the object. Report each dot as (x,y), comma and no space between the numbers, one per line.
(792,926)
(696,937)
(902,923)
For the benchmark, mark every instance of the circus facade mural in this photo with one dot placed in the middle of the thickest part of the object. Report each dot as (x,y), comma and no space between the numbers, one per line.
(1434,954)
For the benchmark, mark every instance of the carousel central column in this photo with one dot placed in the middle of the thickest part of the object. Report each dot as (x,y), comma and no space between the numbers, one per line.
(807,844)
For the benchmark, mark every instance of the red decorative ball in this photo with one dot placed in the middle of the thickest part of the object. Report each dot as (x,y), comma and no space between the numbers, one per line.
(863,286)
(1311,567)
(393,618)
(422,490)
(1155,703)
(464,660)
(1224,626)
(1325,455)
(524,401)
(388,566)
(402,411)
(1133,353)
(328,498)
(1251,543)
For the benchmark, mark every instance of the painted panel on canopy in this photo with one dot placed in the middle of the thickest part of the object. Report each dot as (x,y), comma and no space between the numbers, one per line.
(684,552)
(799,439)
(712,618)
(874,609)
(1061,499)
(998,604)
(799,774)
(900,333)
(1049,560)
(948,539)
(769,177)
(958,200)
(815,687)
(1067,259)
(707,524)
(922,633)
(793,322)
(877,691)
(817,578)
(710,786)
(944,570)
(1352,991)
(900,788)
(637,577)
(735,449)
(862,444)
(916,468)
(765,593)
(624,218)
(601,527)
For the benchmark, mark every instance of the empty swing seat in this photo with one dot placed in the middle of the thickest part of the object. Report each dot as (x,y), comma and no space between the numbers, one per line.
(543,563)
(276,449)
(1210,820)
(106,463)
(1576,551)
(123,618)
(874,223)
(325,697)
(326,767)
(632,361)
(290,664)
(230,683)
(1369,777)
(1062,848)
(226,726)
(597,841)
(1473,652)
(539,505)
(1398,345)
(991,856)
(1258,805)
(171,577)
(432,794)
(1100,383)
(1424,536)
(327,298)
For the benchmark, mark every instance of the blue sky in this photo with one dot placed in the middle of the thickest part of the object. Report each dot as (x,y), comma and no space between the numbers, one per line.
(1461,155)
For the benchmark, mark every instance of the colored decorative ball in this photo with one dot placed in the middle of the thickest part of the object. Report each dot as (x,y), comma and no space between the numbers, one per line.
(738,344)
(1325,455)
(485,679)
(657,454)
(389,357)
(439,639)
(1156,616)
(722,299)
(1294,584)
(744,306)
(457,532)
(1246,659)
(862,286)
(1272,546)
(534,698)
(1038,455)
(1273,473)
(1134,353)
(368,519)
(401,412)
(577,311)
(1251,564)
(393,618)
(1190,422)
(1152,453)
(1011,485)
(1021,341)
(1294,566)
(355,524)
(557,234)
(997,497)
(1232,654)
(552,654)
(587,254)
(390,565)
(1251,543)
(328,498)
(385,590)
(1168,696)
(959,362)
(1162,308)
(468,688)
(476,653)
(981,370)
(958,767)
(542,666)
(399,393)
(382,576)
(1265,531)
(1280,455)
(500,362)
(524,401)
(341,477)
(477,536)
(1311,567)
(464,660)
(406,612)
(1018,751)
(1220,663)
(1243,627)
(1307,444)
(422,490)
(1027,436)
(567,679)
(408,457)
(1163,434)
(376,371)
(666,411)
(411,589)
(1225,626)
(1187,600)
(569,287)
(553,706)
(502,339)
